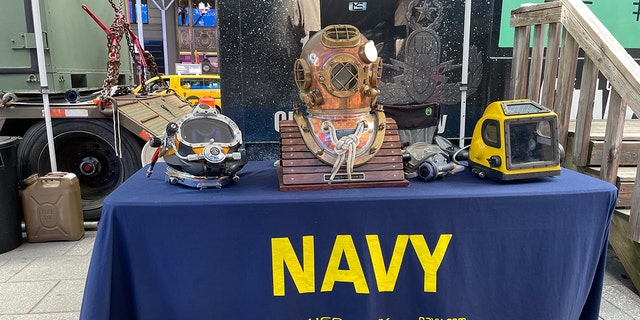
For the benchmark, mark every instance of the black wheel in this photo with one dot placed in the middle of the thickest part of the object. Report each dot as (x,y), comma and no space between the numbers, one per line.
(85,148)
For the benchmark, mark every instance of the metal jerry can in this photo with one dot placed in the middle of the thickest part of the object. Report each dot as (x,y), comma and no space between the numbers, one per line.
(53,208)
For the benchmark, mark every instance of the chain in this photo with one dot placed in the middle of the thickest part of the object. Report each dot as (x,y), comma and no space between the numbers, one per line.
(151,63)
(113,5)
(119,29)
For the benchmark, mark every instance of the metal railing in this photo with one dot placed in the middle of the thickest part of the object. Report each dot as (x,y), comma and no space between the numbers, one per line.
(546,73)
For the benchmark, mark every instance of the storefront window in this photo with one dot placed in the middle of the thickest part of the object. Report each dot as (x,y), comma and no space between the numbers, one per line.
(204,14)
(133,13)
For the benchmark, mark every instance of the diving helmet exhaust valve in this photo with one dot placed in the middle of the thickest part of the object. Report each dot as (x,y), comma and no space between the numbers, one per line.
(172,128)
(155,142)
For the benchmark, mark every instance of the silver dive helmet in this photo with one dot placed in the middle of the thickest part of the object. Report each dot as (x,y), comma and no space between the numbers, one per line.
(203,149)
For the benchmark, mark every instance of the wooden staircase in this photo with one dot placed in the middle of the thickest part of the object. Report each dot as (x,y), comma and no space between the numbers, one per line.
(628,163)
(627,251)
(546,72)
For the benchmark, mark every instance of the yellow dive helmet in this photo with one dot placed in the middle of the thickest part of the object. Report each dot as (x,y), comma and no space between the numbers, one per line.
(516,139)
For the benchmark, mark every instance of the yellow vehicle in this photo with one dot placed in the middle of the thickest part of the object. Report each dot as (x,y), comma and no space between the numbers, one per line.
(190,87)
(516,139)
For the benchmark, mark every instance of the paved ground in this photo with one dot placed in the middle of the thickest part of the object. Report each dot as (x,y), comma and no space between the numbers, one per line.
(45,281)
(620,300)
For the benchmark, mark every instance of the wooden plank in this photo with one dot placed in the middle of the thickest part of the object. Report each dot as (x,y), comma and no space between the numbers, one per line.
(537,58)
(316,162)
(308,155)
(327,168)
(537,55)
(351,185)
(149,117)
(625,195)
(303,147)
(519,63)
(566,79)
(551,66)
(629,153)
(634,215)
(610,56)
(549,12)
(288,134)
(598,128)
(134,112)
(292,141)
(368,176)
(625,174)
(292,126)
(284,128)
(626,250)
(613,134)
(294,148)
(300,141)
(585,113)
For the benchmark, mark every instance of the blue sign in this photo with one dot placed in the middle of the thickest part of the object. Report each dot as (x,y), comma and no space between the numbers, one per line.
(133,14)
(201,18)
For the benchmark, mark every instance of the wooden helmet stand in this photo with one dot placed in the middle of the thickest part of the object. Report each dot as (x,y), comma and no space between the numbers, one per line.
(303,169)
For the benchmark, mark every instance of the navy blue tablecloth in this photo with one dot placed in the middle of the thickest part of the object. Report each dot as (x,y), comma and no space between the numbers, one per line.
(459,247)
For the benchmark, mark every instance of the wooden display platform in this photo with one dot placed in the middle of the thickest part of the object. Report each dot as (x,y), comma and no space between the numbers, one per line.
(300,169)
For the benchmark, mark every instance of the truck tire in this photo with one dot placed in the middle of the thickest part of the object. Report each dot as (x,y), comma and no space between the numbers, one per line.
(86,148)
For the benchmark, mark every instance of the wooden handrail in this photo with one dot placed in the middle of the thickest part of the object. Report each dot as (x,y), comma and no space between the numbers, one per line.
(580,29)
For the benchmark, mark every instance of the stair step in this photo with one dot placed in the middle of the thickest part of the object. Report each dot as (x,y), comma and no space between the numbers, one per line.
(628,161)
(629,152)
(625,174)
(626,249)
(626,180)
(598,127)
(624,212)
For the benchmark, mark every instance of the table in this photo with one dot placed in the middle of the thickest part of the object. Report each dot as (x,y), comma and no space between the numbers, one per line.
(456,248)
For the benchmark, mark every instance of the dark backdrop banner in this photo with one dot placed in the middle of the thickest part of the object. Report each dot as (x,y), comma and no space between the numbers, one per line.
(420,43)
